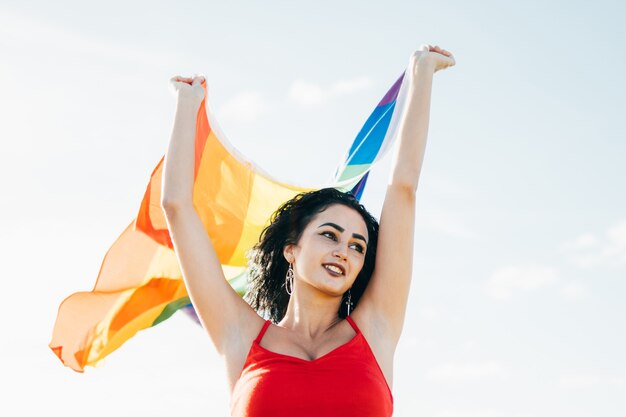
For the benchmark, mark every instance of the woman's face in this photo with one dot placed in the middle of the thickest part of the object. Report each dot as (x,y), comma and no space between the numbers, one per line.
(331,251)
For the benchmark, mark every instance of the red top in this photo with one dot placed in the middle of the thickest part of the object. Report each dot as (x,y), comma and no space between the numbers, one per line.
(346,381)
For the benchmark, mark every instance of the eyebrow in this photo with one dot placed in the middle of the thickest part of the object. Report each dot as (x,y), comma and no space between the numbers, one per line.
(341,229)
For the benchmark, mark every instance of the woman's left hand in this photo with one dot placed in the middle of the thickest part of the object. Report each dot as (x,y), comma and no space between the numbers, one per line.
(188,90)
(433,57)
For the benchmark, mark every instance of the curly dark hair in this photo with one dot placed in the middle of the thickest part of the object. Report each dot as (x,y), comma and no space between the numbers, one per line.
(267,265)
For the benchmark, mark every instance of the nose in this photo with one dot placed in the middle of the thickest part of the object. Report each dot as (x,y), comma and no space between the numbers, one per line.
(340,254)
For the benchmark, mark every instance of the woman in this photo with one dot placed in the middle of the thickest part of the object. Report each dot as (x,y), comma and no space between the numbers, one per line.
(322,259)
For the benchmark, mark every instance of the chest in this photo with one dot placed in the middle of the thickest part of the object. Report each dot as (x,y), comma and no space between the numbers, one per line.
(346,381)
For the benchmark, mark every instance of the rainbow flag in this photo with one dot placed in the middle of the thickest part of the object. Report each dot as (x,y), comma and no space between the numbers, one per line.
(140,284)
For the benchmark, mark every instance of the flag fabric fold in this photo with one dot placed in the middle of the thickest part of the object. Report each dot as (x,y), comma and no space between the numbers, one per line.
(140,284)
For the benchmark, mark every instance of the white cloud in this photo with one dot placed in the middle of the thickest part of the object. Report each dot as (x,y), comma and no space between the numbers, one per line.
(587,380)
(507,280)
(574,290)
(351,86)
(466,372)
(581,242)
(244,108)
(588,250)
(310,94)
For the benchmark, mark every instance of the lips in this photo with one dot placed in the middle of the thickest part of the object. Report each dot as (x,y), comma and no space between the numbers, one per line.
(335,268)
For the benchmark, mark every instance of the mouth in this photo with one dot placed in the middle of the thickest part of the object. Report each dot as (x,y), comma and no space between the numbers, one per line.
(335,269)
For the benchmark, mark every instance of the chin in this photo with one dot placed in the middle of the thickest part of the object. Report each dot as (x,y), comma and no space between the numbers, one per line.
(336,287)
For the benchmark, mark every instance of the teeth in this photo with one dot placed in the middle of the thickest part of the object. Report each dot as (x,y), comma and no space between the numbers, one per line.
(333,268)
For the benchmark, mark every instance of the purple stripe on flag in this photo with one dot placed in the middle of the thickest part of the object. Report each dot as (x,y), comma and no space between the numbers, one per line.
(357,190)
(189,310)
(392,94)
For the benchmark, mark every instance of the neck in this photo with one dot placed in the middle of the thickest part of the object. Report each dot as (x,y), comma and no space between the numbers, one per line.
(311,314)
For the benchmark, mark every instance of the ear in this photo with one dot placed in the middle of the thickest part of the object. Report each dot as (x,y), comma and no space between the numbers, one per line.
(288,253)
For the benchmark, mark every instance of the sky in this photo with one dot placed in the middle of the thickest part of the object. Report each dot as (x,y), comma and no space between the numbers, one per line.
(516,307)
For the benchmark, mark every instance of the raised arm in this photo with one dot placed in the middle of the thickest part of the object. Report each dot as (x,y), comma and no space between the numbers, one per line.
(228,319)
(387,293)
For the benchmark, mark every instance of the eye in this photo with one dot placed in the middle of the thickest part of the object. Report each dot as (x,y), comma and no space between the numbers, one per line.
(359,248)
(329,235)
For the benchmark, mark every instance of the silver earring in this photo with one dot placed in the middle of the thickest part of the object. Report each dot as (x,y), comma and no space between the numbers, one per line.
(289,280)
(349,304)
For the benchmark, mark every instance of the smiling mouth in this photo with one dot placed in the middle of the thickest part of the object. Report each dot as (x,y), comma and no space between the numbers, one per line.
(334,270)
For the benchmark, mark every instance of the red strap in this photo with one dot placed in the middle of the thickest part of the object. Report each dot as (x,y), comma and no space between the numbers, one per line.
(262,332)
(353,324)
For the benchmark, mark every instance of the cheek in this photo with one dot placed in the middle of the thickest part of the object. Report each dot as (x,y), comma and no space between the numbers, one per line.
(358,262)
(308,258)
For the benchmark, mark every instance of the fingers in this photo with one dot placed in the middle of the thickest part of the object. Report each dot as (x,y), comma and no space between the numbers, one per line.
(436,48)
(435,56)
(179,79)
(196,82)
(197,79)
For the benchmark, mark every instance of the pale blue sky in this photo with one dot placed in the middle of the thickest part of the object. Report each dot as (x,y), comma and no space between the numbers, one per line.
(516,309)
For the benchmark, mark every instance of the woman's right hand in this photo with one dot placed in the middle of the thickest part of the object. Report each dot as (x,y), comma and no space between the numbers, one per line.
(433,57)
(188,90)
